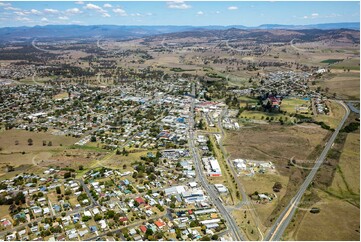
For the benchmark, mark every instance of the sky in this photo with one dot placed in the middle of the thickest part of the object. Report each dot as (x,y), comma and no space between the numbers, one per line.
(195,13)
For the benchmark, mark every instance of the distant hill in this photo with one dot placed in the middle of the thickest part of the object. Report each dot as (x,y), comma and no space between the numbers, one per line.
(127,32)
(354,26)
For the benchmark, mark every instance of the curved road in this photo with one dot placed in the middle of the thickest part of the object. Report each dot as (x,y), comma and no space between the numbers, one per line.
(285,218)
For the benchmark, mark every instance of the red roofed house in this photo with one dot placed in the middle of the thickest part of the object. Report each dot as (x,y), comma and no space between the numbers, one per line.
(124,220)
(143,228)
(139,200)
(159,223)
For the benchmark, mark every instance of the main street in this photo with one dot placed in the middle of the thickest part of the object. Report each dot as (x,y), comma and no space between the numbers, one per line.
(203,180)
(284,219)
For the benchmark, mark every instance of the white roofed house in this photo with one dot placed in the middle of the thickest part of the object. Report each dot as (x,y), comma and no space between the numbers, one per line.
(174,190)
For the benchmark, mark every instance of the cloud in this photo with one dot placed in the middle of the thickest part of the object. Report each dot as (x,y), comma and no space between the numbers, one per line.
(79,2)
(34,11)
(107,5)
(94,7)
(20,13)
(232,8)
(12,8)
(98,9)
(23,19)
(136,14)
(51,11)
(120,12)
(313,16)
(200,13)
(217,12)
(2,4)
(73,11)
(63,18)
(44,20)
(178,5)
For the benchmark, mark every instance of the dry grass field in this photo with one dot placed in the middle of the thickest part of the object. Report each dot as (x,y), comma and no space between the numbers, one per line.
(334,213)
(274,142)
(347,178)
(263,184)
(339,203)
(344,84)
(9,137)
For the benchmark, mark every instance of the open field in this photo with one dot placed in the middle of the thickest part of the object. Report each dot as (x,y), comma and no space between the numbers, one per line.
(263,184)
(291,104)
(334,213)
(344,84)
(346,182)
(274,142)
(118,161)
(9,137)
(339,202)
(258,115)
(352,64)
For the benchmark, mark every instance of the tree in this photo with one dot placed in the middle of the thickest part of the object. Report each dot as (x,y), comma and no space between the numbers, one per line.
(44,142)
(148,232)
(81,168)
(67,175)
(16,142)
(50,143)
(277,187)
(30,142)
(85,218)
(98,217)
(214,237)
(58,190)
(93,139)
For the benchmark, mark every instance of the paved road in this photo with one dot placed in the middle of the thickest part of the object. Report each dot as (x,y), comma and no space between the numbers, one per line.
(86,189)
(353,108)
(203,180)
(284,219)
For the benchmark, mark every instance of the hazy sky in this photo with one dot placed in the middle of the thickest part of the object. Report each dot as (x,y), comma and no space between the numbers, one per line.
(176,13)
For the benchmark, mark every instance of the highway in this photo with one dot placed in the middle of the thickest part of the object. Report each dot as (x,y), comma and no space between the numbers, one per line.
(213,195)
(278,228)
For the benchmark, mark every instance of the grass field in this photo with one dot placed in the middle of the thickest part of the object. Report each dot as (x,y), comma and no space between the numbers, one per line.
(352,64)
(61,95)
(117,161)
(334,213)
(290,104)
(339,203)
(258,115)
(346,182)
(9,137)
(274,142)
(331,61)
(263,184)
(247,100)
(344,84)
